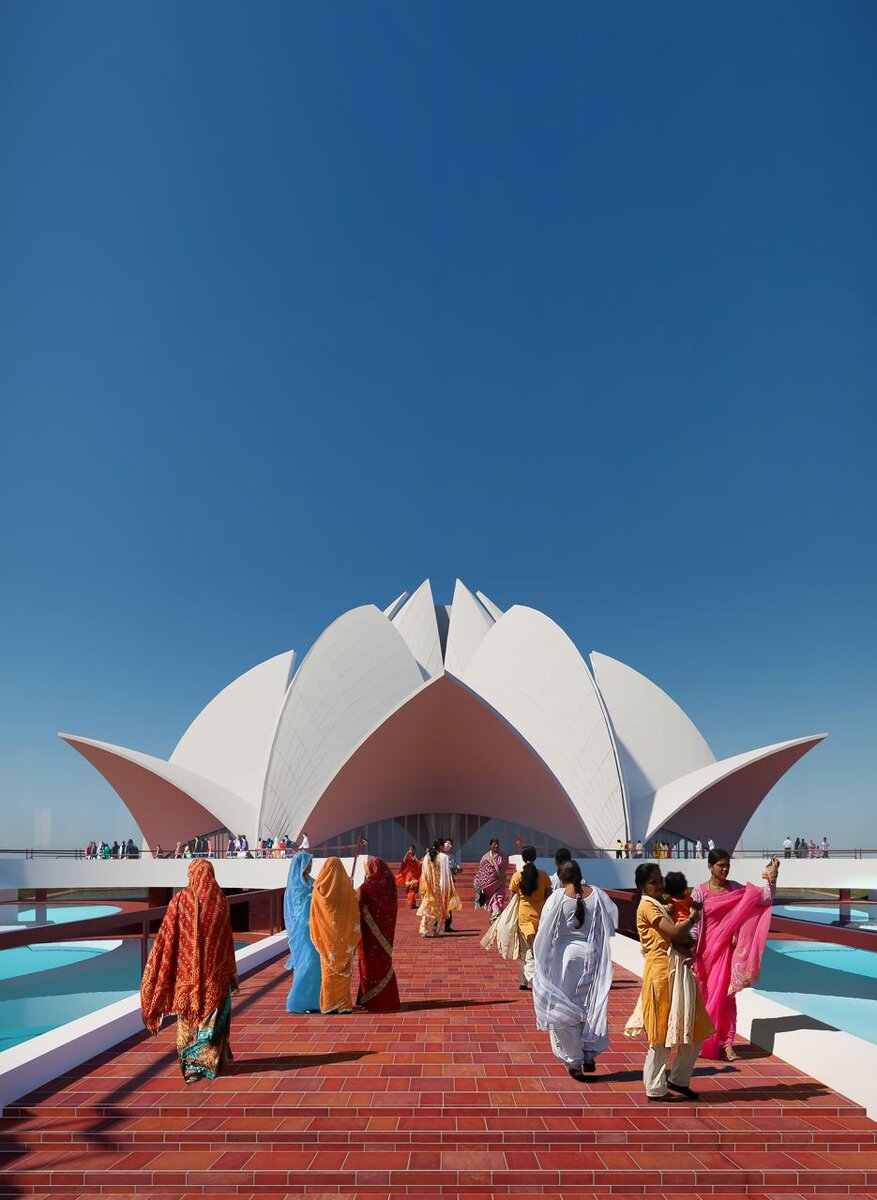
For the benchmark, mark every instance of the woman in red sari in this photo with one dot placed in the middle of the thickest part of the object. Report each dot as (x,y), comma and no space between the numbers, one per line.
(409,876)
(378,905)
(191,971)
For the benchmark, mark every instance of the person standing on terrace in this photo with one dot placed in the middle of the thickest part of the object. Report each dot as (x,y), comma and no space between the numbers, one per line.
(573,970)
(730,944)
(490,880)
(378,909)
(408,875)
(334,926)
(533,887)
(438,896)
(671,1013)
(303,961)
(191,971)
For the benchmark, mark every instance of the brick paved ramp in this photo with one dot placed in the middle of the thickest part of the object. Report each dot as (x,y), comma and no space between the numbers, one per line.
(457,1096)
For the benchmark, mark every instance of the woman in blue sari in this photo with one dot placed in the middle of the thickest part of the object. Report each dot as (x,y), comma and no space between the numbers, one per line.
(303,961)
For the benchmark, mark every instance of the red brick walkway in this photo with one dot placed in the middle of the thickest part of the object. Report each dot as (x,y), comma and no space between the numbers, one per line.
(457,1096)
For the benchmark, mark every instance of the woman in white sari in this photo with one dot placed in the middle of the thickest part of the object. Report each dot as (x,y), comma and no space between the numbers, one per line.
(573,953)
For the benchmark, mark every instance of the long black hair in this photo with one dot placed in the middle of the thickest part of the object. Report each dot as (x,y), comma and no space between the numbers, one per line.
(529,871)
(571,872)
(434,849)
(643,874)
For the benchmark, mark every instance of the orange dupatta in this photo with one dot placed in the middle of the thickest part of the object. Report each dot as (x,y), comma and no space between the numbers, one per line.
(334,927)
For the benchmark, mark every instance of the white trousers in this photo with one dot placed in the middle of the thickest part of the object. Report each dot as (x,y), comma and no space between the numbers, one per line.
(566,1044)
(528,962)
(655,1072)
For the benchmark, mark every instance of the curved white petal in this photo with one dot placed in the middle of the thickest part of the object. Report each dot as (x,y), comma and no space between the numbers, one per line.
(470,621)
(718,800)
(494,609)
(656,741)
(357,672)
(169,802)
(445,750)
(530,672)
(391,609)
(231,738)
(416,621)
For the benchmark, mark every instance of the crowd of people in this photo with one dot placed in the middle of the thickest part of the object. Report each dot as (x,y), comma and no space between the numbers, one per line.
(801,848)
(701,946)
(104,850)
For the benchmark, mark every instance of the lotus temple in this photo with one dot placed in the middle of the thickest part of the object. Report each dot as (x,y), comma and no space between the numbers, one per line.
(463,720)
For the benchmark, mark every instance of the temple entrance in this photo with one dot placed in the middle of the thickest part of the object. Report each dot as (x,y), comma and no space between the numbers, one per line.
(390,838)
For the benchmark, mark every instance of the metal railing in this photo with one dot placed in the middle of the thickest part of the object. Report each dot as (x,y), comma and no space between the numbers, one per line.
(141,920)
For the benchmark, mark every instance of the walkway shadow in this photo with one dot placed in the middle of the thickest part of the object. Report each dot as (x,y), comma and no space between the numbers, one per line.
(293,1062)
(423,1005)
(764,1029)
(776,1091)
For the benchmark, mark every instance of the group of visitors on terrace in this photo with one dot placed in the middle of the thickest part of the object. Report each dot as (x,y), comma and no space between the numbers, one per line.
(701,945)
(103,850)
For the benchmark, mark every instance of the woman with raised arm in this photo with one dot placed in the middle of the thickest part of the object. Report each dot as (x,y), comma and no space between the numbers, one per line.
(303,961)
(671,1011)
(191,971)
(334,928)
(490,880)
(573,970)
(730,944)
(378,906)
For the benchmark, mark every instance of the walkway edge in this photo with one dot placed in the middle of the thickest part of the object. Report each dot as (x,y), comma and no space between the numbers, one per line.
(840,1060)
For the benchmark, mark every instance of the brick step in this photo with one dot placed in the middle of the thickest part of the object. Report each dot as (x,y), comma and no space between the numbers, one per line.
(364,1133)
(602,1106)
(606,1172)
(727,1141)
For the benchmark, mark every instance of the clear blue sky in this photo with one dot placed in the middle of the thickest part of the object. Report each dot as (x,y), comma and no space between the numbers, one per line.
(303,303)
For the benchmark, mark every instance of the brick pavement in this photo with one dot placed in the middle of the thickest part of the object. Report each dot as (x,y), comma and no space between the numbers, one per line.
(457,1096)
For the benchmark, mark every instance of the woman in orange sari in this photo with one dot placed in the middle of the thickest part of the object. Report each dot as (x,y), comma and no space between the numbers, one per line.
(409,876)
(378,905)
(334,925)
(438,896)
(191,971)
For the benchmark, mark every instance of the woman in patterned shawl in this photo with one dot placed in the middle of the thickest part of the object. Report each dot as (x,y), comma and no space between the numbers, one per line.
(334,925)
(191,971)
(490,880)
(378,905)
(303,961)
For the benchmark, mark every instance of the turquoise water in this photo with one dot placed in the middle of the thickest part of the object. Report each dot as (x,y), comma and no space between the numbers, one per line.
(833,984)
(32,960)
(42,987)
(14,915)
(820,914)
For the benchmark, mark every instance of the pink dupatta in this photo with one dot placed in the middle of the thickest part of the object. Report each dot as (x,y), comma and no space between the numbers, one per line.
(730,943)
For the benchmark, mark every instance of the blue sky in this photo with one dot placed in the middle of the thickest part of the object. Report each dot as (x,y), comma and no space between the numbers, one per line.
(303,304)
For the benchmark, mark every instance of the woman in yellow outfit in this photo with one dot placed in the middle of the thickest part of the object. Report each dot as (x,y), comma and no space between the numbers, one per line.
(673,1012)
(533,887)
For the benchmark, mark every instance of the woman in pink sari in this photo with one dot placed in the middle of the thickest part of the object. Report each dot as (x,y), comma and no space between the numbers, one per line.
(730,942)
(490,881)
